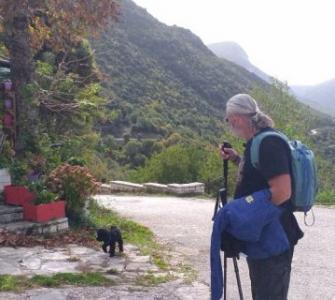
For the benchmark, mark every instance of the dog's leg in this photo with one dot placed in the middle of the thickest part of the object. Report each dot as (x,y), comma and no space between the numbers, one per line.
(104,247)
(112,249)
(120,241)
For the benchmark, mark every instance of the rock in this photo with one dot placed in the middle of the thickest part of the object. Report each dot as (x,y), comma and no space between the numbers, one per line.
(31,263)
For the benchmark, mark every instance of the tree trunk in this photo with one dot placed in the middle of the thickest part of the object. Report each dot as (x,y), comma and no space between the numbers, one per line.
(17,42)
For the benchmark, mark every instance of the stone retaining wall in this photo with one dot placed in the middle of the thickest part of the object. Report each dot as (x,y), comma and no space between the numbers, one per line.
(187,188)
(123,186)
(175,188)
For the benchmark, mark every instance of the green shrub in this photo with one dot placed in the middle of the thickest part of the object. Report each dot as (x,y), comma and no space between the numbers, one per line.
(73,184)
(326,197)
(18,171)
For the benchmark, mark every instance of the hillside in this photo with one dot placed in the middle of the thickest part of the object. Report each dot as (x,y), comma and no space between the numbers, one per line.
(164,77)
(165,87)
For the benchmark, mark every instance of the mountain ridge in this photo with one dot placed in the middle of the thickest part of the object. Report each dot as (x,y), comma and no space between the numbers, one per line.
(233,52)
(320,97)
(149,61)
(166,87)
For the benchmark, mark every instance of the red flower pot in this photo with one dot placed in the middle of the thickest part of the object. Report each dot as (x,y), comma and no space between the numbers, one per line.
(17,195)
(44,212)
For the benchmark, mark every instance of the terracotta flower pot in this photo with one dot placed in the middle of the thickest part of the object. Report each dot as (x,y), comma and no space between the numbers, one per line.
(44,212)
(17,195)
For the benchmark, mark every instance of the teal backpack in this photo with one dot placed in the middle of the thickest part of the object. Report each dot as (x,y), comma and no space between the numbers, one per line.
(304,181)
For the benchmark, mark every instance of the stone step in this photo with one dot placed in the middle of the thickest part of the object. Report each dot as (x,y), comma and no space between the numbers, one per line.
(25,227)
(10,214)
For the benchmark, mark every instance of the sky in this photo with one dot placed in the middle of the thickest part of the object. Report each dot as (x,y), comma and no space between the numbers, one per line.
(292,40)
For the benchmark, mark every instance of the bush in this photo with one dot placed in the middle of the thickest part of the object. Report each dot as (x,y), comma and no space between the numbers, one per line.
(43,195)
(175,164)
(326,197)
(74,184)
(18,171)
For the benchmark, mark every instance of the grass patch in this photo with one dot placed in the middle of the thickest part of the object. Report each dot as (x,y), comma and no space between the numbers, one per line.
(86,279)
(14,283)
(20,283)
(159,261)
(326,197)
(189,273)
(152,280)
(142,237)
(132,232)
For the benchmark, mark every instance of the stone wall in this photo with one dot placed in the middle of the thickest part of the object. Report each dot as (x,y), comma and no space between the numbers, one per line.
(192,188)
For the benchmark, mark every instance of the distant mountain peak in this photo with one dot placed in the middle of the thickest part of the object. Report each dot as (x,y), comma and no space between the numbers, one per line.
(233,52)
(229,50)
(320,96)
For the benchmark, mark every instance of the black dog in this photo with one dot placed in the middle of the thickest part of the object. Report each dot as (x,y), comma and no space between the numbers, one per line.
(110,238)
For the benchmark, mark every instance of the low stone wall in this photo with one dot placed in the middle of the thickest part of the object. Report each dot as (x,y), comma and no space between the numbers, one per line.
(153,187)
(124,186)
(156,187)
(187,188)
(104,189)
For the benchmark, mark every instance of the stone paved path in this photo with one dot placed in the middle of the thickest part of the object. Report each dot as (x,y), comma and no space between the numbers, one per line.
(74,259)
(185,224)
(175,290)
(125,270)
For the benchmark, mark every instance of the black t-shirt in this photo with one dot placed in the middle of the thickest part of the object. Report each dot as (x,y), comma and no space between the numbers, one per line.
(274,160)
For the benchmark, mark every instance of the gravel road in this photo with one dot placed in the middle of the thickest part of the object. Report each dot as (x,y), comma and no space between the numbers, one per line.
(185,223)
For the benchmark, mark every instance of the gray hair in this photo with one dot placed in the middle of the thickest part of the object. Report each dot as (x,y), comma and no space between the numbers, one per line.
(244,104)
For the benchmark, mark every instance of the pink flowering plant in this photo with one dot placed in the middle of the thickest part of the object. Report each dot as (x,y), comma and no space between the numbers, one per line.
(74,184)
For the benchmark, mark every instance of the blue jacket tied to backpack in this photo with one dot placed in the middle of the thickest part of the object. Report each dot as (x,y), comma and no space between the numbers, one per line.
(253,219)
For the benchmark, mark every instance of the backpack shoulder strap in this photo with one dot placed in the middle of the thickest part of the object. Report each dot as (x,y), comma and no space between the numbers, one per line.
(256,142)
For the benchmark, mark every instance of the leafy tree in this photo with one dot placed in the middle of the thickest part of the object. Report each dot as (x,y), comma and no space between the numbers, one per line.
(27,26)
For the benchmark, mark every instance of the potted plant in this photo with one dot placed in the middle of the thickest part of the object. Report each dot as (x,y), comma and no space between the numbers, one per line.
(45,207)
(16,193)
(75,184)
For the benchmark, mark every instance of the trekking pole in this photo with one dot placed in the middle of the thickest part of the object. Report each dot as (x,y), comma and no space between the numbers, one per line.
(224,202)
(238,279)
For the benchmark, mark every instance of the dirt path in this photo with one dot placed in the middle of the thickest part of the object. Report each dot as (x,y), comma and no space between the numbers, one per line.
(185,223)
